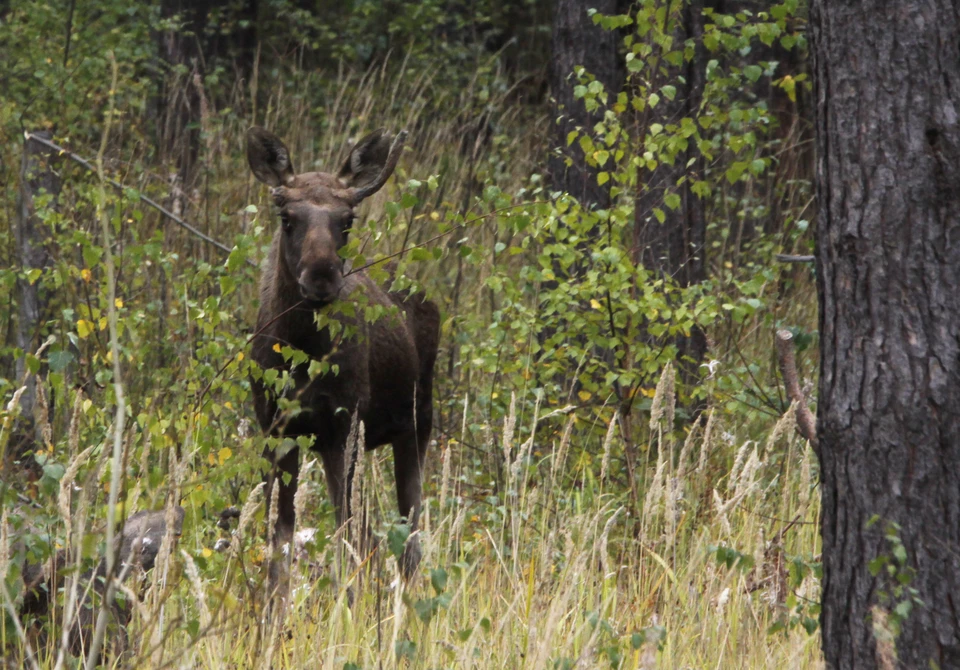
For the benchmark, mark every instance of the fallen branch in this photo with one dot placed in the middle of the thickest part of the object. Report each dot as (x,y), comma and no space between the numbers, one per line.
(806,423)
(80,160)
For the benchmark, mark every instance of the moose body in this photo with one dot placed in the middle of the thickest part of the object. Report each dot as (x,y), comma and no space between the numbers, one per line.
(383,371)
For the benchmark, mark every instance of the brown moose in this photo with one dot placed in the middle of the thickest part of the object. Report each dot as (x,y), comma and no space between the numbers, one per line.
(382,374)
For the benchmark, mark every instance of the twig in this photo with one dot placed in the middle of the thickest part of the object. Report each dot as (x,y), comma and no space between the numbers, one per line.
(459,226)
(806,423)
(116,470)
(120,187)
(787,258)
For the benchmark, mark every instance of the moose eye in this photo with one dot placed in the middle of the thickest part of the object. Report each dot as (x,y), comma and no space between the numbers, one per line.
(286,223)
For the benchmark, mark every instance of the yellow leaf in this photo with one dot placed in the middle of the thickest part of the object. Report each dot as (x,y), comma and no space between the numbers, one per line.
(84,328)
(649,393)
(494,395)
(103,323)
(211,459)
(118,302)
(228,405)
(240,356)
(595,304)
(435,216)
(206,553)
(224,455)
(86,275)
(584,395)
(276,347)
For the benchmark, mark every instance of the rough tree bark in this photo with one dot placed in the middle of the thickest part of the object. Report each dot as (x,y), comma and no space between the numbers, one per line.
(676,247)
(37,177)
(578,41)
(888,269)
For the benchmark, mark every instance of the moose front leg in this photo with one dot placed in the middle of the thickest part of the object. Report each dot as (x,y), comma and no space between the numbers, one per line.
(283,473)
(408,459)
(337,485)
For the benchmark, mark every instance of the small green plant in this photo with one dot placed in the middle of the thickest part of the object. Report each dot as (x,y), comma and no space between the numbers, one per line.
(893,570)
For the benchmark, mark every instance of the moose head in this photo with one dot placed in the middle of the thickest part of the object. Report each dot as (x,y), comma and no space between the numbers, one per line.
(317,208)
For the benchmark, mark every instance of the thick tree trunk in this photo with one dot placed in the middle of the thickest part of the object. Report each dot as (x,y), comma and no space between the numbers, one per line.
(37,177)
(888,270)
(579,42)
(676,247)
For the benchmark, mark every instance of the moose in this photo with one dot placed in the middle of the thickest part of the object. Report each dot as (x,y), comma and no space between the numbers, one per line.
(381,374)
(137,548)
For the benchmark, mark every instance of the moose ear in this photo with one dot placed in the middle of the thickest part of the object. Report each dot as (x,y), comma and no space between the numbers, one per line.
(269,157)
(366,160)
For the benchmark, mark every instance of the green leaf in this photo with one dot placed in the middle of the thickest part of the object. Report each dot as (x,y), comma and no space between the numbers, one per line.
(438,579)
(397,538)
(59,360)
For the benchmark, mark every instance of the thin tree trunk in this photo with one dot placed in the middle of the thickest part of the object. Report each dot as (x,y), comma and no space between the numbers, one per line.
(37,177)
(676,247)
(888,271)
(579,42)
(194,50)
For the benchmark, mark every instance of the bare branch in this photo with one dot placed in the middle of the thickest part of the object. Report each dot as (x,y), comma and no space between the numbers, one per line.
(806,423)
(117,185)
(787,258)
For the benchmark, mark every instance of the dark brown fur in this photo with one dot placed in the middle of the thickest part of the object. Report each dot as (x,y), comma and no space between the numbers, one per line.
(385,371)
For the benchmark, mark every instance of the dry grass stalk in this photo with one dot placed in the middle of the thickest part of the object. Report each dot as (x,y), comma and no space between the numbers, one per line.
(4,545)
(602,543)
(249,509)
(304,491)
(73,433)
(358,516)
(734,477)
(196,584)
(747,481)
(42,415)
(65,495)
(664,404)
(784,426)
(509,425)
(445,460)
(686,450)
(705,444)
(11,412)
(671,496)
(654,496)
(886,650)
(527,445)
(560,455)
(607,444)
(804,495)
(720,507)
(273,513)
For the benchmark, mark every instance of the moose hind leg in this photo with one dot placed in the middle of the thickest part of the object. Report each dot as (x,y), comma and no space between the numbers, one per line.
(408,462)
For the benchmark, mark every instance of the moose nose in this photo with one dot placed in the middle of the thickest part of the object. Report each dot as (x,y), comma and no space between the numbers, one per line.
(321,282)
